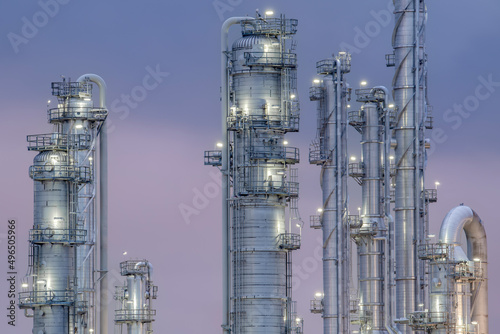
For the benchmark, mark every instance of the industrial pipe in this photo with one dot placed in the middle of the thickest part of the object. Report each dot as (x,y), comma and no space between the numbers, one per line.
(463,218)
(225,171)
(103,204)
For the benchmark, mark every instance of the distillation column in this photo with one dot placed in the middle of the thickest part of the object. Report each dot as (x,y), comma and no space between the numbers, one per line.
(59,287)
(409,96)
(329,151)
(370,231)
(262,106)
(135,312)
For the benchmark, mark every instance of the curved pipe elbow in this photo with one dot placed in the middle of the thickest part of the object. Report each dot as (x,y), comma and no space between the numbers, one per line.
(146,264)
(464,218)
(100,82)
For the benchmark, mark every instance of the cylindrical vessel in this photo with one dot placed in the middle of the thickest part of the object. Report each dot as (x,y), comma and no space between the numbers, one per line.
(134,298)
(408,43)
(262,110)
(60,285)
(368,239)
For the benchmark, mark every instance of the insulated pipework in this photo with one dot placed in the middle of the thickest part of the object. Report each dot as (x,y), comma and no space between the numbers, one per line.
(260,189)
(369,231)
(135,313)
(459,278)
(59,287)
(329,151)
(409,95)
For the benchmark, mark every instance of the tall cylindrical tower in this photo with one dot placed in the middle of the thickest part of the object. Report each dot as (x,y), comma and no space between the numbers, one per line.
(262,106)
(135,312)
(370,229)
(59,287)
(330,152)
(410,97)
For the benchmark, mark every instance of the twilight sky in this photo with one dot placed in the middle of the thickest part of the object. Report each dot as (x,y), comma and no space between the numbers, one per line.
(157,139)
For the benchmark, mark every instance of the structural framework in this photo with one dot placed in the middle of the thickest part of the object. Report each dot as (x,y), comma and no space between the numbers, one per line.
(260,189)
(405,282)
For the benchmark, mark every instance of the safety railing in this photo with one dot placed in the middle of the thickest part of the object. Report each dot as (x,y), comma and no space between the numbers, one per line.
(135,315)
(429,120)
(31,299)
(316,306)
(369,95)
(289,155)
(315,222)
(426,320)
(283,188)
(316,154)
(356,170)
(71,89)
(69,113)
(433,251)
(81,174)
(278,122)
(58,141)
(275,59)
(390,60)
(431,195)
(270,26)
(81,307)
(289,241)
(130,267)
(467,271)
(48,235)
(316,93)
(213,158)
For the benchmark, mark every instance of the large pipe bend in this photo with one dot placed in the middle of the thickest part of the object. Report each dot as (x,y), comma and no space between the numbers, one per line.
(463,218)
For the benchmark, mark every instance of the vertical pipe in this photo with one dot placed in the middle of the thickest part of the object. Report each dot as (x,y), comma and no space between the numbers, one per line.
(225,171)
(409,186)
(103,204)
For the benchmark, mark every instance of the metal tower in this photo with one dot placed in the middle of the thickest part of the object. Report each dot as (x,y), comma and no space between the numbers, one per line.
(260,105)
(329,151)
(135,298)
(60,284)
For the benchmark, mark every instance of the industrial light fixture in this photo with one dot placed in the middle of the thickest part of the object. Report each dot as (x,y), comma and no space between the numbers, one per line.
(316,81)
(78,126)
(363,83)
(269,13)
(220,144)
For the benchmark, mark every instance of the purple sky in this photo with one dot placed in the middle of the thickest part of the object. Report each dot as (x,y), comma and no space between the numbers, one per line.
(157,142)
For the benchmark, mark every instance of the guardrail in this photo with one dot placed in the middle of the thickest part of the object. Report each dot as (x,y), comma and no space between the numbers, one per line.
(70,236)
(286,123)
(31,299)
(68,113)
(49,171)
(139,315)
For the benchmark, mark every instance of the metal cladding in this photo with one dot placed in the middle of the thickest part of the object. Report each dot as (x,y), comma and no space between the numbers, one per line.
(404,283)
(59,287)
(262,106)
(330,152)
(410,96)
(370,234)
(135,298)
(458,279)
